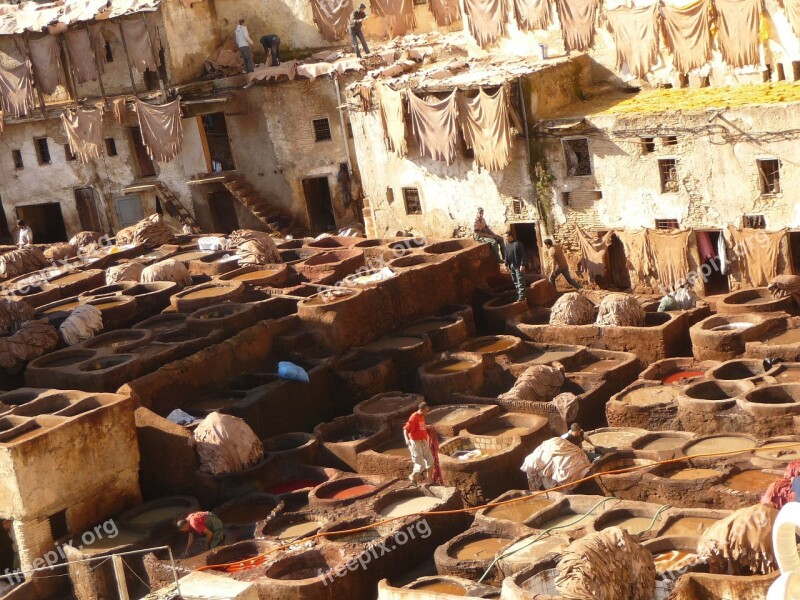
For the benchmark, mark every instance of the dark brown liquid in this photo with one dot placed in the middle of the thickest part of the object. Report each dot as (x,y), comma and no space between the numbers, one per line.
(751,481)
(790,336)
(451,366)
(518,511)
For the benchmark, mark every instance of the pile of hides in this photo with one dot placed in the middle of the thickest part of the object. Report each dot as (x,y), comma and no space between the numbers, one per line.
(539,383)
(152,231)
(124,236)
(84,238)
(130,271)
(21,261)
(555,462)
(225,61)
(32,340)
(254,247)
(226,444)
(568,406)
(83,323)
(167,270)
(13,313)
(606,565)
(784,286)
(60,251)
(741,543)
(572,309)
(622,310)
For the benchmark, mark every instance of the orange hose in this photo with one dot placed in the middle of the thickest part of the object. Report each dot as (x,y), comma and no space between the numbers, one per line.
(261,558)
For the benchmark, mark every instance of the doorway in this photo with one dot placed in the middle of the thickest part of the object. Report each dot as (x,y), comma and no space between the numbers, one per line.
(715,283)
(794,250)
(223,212)
(526,233)
(618,264)
(318,203)
(220,155)
(144,164)
(8,557)
(5,232)
(129,210)
(87,209)
(45,220)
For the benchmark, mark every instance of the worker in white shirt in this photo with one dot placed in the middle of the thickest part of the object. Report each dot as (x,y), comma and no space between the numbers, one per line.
(244,42)
(25,234)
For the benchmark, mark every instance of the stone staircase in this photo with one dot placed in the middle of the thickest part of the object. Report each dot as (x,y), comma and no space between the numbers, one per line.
(174,207)
(238,186)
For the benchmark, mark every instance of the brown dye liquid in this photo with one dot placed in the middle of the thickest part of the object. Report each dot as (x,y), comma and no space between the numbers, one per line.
(297,530)
(104,542)
(108,304)
(612,439)
(650,396)
(693,526)
(394,448)
(209,292)
(689,474)
(482,549)
(72,278)
(442,587)
(384,405)
(450,366)
(62,307)
(757,300)
(409,506)
(720,444)
(506,431)
(452,416)
(633,525)
(545,357)
(751,481)
(24,436)
(425,327)
(244,514)
(393,342)
(664,443)
(601,366)
(157,515)
(255,275)
(788,375)
(489,346)
(790,336)
(774,450)
(673,560)
(564,521)
(184,256)
(519,511)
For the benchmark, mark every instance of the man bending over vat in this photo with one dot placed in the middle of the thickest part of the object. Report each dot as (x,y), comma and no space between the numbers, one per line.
(202,523)
(415,433)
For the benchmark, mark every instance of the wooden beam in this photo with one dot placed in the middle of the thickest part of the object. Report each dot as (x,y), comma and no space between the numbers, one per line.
(35,83)
(68,68)
(127,56)
(97,64)
(155,58)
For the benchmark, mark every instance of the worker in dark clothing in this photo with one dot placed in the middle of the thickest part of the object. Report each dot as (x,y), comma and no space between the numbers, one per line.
(343,179)
(354,24)
(516,261)
(272,45)
(576,436)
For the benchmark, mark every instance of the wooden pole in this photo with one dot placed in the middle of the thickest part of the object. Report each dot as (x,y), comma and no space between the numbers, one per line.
(97,64)
(68,68)
(155,59)
(127,56)
(35,83)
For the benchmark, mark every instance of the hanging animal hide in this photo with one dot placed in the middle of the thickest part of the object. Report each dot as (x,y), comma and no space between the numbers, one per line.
(635,32)
(486,127)
(162,129)
(394,124)
(331,18)
(486,20)
(687,31)
(737,31)
(81,56)
(399,15)
(577,19)
(445,11)
(671,256)
(137,32)
(757,252)
(435,126)
(46,60)
(16,90)
(84,132)
(533,14)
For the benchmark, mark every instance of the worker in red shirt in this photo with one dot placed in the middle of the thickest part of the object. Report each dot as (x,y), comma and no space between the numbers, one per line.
(416,435)
(202,523)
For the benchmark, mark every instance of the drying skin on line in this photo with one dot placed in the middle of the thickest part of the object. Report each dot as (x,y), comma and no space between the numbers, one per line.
(118,107)
(533,14)
(162,129)
(577,19)
(435,126)
(792,8)
(737,31)
(399,15)
(758,249)
(486,127)
(635,32)
(16,90)
(138,31)
(394,125)
(331,18)
(688,34)
(84,130)
(486,20)
(445,11)
(670,255)
(265,73)
(46,60)
(594,253)
(637,253)
(81,56)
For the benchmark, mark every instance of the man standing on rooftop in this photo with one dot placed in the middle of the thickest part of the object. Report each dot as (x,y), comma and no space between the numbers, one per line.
(244,42)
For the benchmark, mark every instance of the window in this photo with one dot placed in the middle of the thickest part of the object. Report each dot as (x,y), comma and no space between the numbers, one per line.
(769,174)
(576,153)
(58,525)
(68,155)
(669,140)
(42,151)
(796,69)
(16,156)
(111,147)
(418,2)
(565,198)
(647,145)
(322,129)
(668,170)
(516,206)
(597,195)
(411,198)
(754,222)
(389,195)
(666,223)
(781,72)
(109,54)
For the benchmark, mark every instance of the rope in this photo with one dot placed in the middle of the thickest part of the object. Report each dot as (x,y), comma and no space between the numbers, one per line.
(261,558)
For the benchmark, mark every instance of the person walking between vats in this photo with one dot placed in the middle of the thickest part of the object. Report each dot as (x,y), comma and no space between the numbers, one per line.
(481,232)
(24,235)
(9,528)
(516,261)
(577,437)
(560,264)
(415,434)
(354,24)
(272,46)
(244,42)
(202,523)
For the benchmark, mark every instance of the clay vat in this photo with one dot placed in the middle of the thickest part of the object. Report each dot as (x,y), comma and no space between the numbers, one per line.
(645,404)
(663,335)
(289,527)
(531,429)
(229,317)
(343,490)
(33,288)
(259,275)
(151,516)
(771,401)
(689,474)
(292,256)
(390,458)
(677,371)
(242,514)
(751,482)
(163,324)
(690,522)
(450,246)
(311,574)
(490,346)
(388,407)
(407,354)
(46,405)
(711,444)
(60,309)
(116,310)
(14,430)
(724,337)
(441,584)
(361,375)
(450,419)
(757,300)
(325,243)
(345,437)
(773,453)
(206,294)
(59,369)
(662,445)
(787,373)
(783,343)
(540,354)
(291,244)
(367,537)
(672,554)
(518,512)
(444,332)
(613,439)
(340,318)
(529,548)
(569,515)
(411,501)
(295,446)
(712,395)
(638,520)
(451,373)
(122,340)
(459,310)
(627,485)
(238,552)
(331,266)
(748,369)
(470,554)
(203,405)
(153,296)
(497,310)
(115,289)
(107,373)
(75,282)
